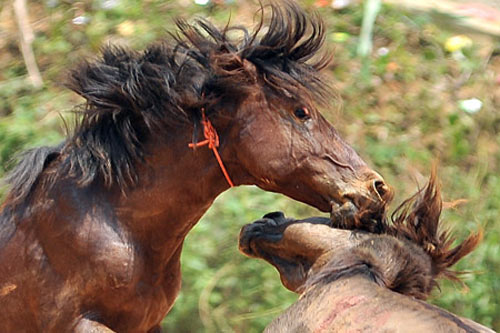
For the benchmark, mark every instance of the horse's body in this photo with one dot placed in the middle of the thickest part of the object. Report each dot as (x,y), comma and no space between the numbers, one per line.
(99,255)
(357,304)
(92,230)
(358,281)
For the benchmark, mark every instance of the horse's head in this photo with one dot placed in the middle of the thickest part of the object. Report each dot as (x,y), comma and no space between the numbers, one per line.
(261,95)
(406,256)
(285,145)
(308,252)
(297,248)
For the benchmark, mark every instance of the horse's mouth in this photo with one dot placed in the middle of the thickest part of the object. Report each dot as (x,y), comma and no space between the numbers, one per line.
(344,209)
(248,244)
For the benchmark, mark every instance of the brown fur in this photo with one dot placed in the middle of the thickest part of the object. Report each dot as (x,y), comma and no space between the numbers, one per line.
(92,230)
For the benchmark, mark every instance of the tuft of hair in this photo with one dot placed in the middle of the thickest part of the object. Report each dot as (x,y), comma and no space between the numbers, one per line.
(418,220)
(129,95)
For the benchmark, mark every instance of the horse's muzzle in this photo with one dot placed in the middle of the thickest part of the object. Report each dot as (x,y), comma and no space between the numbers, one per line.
(368,192)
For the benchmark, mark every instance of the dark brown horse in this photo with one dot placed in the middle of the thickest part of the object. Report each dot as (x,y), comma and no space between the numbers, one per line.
(92,230)
(359,281)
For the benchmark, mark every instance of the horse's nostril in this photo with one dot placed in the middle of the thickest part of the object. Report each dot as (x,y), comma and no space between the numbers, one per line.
(371,192)
(380,188)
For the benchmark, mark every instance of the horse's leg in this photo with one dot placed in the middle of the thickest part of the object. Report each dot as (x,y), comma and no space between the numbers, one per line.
(86,325)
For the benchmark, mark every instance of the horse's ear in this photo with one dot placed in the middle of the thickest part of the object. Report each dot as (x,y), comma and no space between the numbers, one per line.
(231,68)
(250,69)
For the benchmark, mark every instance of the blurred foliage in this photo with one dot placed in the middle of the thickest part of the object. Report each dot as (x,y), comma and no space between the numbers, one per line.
(400,110)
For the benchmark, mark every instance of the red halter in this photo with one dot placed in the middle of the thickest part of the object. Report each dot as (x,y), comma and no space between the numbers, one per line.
(212,140)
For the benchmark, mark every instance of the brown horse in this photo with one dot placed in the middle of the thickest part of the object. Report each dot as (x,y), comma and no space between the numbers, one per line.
(92,230)
(359,281)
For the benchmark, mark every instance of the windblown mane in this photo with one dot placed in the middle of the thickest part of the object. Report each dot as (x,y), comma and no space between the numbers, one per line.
(406,255)
(133,96)
(418,220)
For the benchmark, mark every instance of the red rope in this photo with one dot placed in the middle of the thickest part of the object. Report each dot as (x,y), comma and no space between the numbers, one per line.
(212,140)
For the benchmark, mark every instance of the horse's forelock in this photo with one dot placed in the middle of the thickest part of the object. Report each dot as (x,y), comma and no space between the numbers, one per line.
(289,53)
(286,51)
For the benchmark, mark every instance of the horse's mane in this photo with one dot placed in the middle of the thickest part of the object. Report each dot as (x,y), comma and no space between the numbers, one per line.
(408,253)
(418,220)
(131,96)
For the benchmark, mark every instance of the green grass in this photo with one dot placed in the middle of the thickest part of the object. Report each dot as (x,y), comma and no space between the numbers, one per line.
(399,110)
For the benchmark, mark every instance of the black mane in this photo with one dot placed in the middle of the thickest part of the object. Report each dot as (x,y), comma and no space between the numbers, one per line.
(131,96)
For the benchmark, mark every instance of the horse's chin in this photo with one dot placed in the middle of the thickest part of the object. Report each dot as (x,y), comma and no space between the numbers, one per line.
(312,198)
(293,273)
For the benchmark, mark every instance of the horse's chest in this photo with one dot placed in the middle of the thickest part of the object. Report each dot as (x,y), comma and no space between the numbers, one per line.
(100,257)
(142,302)
(131,285)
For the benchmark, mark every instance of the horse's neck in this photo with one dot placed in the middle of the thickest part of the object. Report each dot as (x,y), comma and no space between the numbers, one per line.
(176,188)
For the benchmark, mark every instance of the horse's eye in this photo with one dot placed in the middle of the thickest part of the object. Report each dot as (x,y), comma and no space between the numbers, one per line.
(302,113)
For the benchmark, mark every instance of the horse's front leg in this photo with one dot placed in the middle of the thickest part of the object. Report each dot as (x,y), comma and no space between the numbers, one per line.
(85,325)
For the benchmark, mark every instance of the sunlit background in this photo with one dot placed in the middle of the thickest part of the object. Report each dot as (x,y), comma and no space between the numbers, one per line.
(418,86)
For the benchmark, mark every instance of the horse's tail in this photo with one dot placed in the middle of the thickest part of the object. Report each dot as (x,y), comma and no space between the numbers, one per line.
(25,174)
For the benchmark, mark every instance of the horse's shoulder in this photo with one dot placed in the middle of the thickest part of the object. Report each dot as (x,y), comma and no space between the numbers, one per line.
(79,232)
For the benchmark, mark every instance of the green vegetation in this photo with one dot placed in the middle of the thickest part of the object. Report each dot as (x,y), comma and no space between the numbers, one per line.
(399,108)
